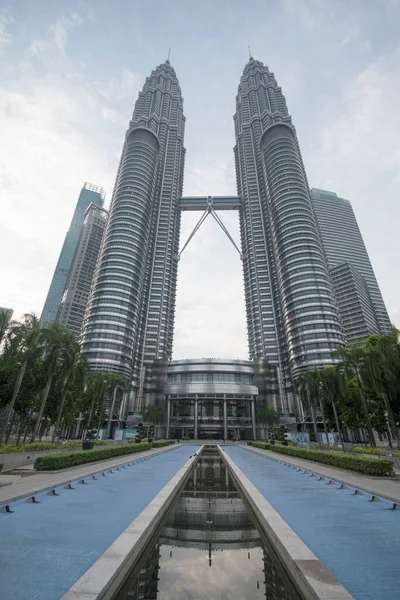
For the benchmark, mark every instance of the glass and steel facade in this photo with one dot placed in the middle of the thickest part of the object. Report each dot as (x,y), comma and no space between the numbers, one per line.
(355,304)
(211,398)
(293,319)
(134,288)
(343,243)
(77,289)
(292,316)
(89,194)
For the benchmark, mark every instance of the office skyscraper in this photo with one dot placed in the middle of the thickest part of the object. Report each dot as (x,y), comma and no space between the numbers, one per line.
(72,308)
(355,304)
(343,243)
(130,317)
(89,193)
(292,317)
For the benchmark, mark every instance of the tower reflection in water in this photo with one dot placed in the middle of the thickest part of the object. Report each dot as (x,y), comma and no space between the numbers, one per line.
(208,548)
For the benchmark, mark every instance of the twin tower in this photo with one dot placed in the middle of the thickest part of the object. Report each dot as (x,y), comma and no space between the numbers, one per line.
(292,317)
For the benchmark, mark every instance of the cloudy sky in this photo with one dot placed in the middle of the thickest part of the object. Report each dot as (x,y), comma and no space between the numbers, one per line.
(69,75)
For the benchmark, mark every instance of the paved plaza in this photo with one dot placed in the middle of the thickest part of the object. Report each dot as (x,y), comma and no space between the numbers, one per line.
(46,547)
(357,540)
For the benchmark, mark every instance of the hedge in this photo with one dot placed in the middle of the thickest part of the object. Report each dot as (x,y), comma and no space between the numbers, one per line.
(41,446)
(261,445)
(71,459)
(368,466)
(376,451)
(161,444)
(54,462)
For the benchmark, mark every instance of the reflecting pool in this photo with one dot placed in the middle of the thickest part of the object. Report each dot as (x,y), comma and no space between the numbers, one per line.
(208,548)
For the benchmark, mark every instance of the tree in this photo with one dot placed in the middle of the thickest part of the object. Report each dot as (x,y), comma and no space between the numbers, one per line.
(267,416)
(114,380)
(53,338)
(308,385)
(153,415)
(333,387)
(381,373)
(353,358)
(96,390)
(4,320)
(22,339)
(72,364)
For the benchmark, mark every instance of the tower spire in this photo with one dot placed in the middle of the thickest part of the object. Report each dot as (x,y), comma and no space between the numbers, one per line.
(169,52)
(250,56)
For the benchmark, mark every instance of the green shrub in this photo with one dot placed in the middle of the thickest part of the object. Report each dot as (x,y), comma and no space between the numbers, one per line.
(42,446)
(360,450)
(368,466)
(1,467)
(160,444)
(262,445)
(375,451)
(53,462)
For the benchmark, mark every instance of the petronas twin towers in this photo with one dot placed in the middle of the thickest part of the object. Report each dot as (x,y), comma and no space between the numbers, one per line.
(292,318)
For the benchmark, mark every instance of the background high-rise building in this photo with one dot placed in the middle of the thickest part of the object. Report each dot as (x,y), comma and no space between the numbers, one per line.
(292,317)
(89,193)
(354,301)
(343,243)
(130,316)
(72,308)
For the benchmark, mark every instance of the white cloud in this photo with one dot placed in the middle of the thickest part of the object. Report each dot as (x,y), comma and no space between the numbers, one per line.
(210,297)
(210,177)
(126,85)
(109,114)
(5,36)
(307,13)
(362,131)
(60,28)
(54,143)
(50,152)
(210,316)
(357,155)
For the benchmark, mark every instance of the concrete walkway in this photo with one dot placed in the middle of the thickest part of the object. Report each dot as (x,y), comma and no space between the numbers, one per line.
(389,487)
(357,540)
(45,480)
(46,547)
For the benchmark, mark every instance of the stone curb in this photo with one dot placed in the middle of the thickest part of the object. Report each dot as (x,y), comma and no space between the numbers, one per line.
(308,574)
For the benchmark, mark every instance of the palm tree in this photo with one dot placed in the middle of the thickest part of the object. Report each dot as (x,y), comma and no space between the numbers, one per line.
(381,372)
(332,384)
(24,337)
(115,381)
(353,357)
(53,337)
(267,416)
(154,415)
(72,364)
(317,385)
(308,387)
(97,387)
(4,320)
